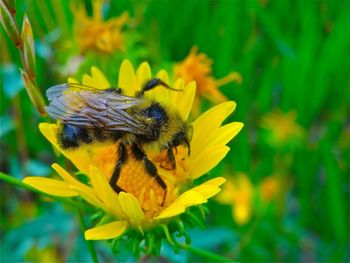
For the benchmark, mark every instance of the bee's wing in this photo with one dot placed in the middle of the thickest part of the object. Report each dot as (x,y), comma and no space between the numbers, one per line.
(59,90)
(92,108)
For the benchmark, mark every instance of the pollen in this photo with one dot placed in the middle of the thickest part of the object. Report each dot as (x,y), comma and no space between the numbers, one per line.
(105,158)
(176,175)
(136,180)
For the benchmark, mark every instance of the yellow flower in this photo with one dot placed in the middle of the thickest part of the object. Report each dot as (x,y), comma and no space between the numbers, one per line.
(283,126)
(269,188)
(92,33)
(42,255)
(198,67)
(238,192)
(143,206)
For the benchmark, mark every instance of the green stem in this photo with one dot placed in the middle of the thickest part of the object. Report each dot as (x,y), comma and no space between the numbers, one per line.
(89,243)
(14,181)
(20,136)
(204,253)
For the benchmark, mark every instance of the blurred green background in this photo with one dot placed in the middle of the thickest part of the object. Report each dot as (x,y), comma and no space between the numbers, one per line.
(293,57)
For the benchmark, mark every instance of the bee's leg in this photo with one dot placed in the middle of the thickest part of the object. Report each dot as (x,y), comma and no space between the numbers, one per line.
(151,84)
(117,169)
(187,143)
(150,167)
(171,157)
(171,164)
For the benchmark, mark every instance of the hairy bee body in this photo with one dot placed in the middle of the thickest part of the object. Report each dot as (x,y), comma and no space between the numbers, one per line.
(163,129)
(87,115)
(71,137)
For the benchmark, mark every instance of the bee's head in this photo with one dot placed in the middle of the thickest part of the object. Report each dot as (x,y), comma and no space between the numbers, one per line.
(155,118)
(164,127)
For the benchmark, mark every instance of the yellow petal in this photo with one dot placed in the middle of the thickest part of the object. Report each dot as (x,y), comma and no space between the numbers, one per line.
(241,213)
(206,160)
(70,179)
(131,208)
(216,114)
(223,135)
(243,184)
(163,95)
(187,199)
(207,190)
(174,209)
(200,194)
(104,191)
(217,181)
(176,96)
(208,122)
(100,78)
(143,74)
(91,198)
(163,75)
(89,81)
(108,231)
(190,198)
(50,186)
(185,101)
(72,80)
(50,133)
(227,195)
(127,79)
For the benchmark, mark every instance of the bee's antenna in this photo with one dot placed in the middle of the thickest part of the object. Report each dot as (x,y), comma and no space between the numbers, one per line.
(153,83)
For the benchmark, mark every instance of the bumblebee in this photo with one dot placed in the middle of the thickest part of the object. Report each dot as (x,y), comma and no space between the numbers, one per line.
(87,115)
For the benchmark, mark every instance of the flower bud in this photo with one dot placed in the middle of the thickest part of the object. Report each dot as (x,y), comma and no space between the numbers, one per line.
(28,48)
(34,93)
(9,24)
(11,5)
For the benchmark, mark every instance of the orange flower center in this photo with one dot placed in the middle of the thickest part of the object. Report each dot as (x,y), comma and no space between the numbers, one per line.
(136,180)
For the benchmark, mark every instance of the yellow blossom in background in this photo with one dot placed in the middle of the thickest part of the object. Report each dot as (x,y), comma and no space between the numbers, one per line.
(283,126)
(238,192)
(95,34)
(198,67)
(269,188)
(44,255)
(144,204)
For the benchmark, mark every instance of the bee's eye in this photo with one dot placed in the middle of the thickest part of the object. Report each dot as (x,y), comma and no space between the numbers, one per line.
(157,113)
